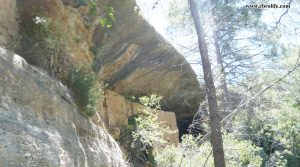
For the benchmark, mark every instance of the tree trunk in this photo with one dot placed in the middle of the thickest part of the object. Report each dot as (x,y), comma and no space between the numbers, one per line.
(216,135)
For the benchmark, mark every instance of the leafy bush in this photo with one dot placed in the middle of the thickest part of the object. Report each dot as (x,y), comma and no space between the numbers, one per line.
(83,83)
(42,40)
(190,154)
(107,13)
(108,17)
(153,101)
(276,131)
(148,133)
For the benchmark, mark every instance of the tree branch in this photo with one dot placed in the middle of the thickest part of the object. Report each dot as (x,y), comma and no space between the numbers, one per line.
(231,115)
(286,11)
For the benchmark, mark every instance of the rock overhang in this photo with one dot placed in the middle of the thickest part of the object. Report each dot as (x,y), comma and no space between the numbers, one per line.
(135,60)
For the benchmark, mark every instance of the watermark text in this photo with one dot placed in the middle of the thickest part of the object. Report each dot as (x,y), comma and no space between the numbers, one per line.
(266,6)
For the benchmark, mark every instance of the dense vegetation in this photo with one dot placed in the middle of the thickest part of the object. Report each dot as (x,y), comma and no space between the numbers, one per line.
(83,82)
(146,132)
(42,41)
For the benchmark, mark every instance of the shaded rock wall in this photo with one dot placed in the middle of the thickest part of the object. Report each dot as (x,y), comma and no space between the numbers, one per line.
(40,125)
(8,23)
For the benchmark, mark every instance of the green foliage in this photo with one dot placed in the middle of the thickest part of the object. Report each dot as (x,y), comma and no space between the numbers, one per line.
(133,99)
(109,17)
(131,125)
(42,41)
(148,132)
(272,120)
(93,8)
(83,83)
(276,131)
(107,13)
(190,154)
(153,101)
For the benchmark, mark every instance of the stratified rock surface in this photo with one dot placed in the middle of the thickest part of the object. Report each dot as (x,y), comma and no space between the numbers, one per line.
(40,125)
(135,60)
(131,57)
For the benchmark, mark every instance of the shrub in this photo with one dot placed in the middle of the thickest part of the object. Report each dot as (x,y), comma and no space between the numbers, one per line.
(276,131)
(83,83)
(42,41)
(148,133)
(106,13)
(189,154)
(108,17)
(153,101)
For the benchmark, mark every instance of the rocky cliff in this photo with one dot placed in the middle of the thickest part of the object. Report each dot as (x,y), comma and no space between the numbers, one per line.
(130,57)
(135,60)
(40,125)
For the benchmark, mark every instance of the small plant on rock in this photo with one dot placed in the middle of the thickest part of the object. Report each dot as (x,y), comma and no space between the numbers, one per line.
(83,83)
(108,17)
(106,13)
(42,41)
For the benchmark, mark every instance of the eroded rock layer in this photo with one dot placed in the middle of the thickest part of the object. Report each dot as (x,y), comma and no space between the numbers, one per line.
(135,60)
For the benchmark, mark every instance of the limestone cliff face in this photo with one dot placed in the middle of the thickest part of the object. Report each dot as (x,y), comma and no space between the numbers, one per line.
(131,57)
(39,122)
(135,60)
(8,23)
(40,125)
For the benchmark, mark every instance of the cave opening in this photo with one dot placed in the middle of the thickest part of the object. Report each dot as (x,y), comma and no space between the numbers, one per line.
(183,126)
(190,125)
